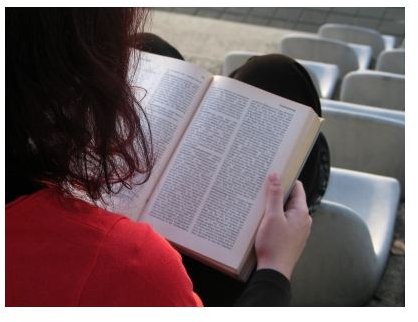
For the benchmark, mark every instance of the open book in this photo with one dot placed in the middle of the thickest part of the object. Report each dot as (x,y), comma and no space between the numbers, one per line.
(216,140)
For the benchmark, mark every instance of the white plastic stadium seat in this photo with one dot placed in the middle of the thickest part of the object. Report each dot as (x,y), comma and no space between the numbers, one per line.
(354,34)
(351,235)
(235,59)
(326,75)
(362,140)
(374,88)
(364,55)
(322,50)
(390,41)
(392,61)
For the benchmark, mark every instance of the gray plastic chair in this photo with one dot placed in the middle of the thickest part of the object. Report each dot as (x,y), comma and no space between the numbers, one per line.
(392,61)
(351,235)
(354,34)
(390,41)
(324,76)
(364,55)
(321,50)
(366,140)
(374,88)
(235,59)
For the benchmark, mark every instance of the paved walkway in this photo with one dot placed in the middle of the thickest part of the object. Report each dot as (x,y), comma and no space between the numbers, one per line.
(205,41)
(386,20)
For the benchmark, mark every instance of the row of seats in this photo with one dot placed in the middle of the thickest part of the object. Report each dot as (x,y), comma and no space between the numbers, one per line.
(383,54)
(353,227)
(358,35)
(351,48)
(370,132)
(343,55)
(348,56)
(366,87)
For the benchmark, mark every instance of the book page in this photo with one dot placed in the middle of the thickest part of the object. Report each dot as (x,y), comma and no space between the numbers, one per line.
(169,91)
(211,198)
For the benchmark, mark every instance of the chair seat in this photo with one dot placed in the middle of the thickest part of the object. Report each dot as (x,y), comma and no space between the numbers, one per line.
(347,251)
(373,197)
(336,264)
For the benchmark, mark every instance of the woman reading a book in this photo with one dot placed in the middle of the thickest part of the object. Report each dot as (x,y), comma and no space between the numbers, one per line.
(73,122)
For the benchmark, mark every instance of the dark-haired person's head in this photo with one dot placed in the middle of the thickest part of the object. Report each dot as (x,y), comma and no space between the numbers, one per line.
(284,76)
(71,115)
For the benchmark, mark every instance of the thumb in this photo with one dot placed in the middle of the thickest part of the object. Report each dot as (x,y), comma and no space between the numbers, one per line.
(274,204)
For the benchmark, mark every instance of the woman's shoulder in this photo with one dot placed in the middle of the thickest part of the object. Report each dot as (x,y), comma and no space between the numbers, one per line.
(130,264)
(135,236)
(141,246)
(81,220)
(140,262)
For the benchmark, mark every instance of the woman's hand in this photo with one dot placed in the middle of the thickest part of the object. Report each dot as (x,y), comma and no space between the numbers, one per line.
(282,234)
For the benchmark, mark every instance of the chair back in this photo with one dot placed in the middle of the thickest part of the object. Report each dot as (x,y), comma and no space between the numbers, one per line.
(392,61)
(354,34)
(367,142)
(235,59)
(326,76)
(321,50)
(374,88)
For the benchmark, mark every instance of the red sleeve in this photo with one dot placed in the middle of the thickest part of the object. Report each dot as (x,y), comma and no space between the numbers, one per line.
(137,267)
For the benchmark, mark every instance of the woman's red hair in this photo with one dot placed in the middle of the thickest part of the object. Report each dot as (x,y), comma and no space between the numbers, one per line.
(71,115)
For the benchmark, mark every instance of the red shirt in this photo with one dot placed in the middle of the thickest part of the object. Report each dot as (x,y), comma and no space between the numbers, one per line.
(65,252)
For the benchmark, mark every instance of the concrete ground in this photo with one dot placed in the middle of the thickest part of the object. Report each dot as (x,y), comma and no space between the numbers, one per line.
(386,20)
(205,41)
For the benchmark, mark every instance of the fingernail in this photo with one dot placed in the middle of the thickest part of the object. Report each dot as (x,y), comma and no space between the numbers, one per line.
(273,177)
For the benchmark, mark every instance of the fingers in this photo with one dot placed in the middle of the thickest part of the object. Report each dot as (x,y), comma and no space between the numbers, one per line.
(296,203)
(274,195)
(281,236)
(297,198)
